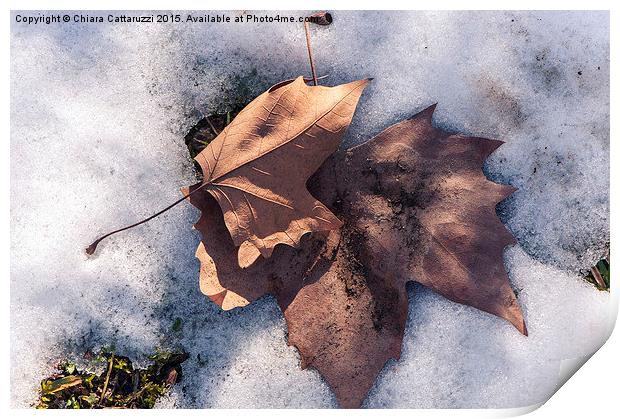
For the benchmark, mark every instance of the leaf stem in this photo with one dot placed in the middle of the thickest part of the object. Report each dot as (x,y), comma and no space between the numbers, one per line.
(307,30)
(107,379)
(215,131)
(91,249)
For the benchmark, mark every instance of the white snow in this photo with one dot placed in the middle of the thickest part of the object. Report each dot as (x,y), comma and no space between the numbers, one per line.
(98,114)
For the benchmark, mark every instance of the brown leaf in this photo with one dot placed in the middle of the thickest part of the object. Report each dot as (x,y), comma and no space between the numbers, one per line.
(258,166)
(416,207)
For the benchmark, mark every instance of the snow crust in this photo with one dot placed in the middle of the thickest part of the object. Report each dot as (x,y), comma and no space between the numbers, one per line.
(98,115)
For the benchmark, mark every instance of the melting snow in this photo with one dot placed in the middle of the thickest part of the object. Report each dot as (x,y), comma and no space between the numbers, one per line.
(98,115)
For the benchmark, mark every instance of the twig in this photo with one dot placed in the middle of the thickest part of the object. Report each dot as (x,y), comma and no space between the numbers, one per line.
(598,278)
(216,132)
(316,82)
(107,379)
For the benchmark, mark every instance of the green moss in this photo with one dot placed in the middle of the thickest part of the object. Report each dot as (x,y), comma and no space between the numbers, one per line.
(119,385)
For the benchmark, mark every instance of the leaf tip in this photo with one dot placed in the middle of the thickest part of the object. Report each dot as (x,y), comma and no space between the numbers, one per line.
(494,145)
(508,190)
(426,114)
(520,326)
(247,254)
(515,316)
(430,110)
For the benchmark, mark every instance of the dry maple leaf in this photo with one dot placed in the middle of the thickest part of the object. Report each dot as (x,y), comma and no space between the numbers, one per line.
(258,166)
(416,206)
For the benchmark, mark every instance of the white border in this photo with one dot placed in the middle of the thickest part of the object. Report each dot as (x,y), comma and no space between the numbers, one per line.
(591,393)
